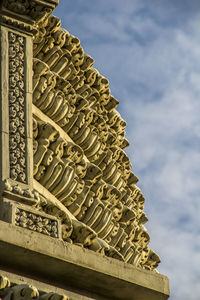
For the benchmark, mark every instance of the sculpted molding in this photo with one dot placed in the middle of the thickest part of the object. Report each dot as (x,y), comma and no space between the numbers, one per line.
(24,15)
(17,108)
(20,193)
(11,291)
(17,24)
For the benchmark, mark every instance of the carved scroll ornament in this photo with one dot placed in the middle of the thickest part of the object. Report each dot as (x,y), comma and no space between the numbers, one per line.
(17,131)
(79,142)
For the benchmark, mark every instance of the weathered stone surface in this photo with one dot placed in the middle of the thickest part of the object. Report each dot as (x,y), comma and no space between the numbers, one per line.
(71,267)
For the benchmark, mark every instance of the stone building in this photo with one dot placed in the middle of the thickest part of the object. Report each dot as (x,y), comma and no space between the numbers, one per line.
(71,215)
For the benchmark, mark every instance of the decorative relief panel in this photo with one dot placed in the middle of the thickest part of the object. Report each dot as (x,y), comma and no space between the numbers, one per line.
(35,222)
(17,131)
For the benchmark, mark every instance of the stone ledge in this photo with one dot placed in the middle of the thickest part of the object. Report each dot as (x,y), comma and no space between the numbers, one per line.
(71,267)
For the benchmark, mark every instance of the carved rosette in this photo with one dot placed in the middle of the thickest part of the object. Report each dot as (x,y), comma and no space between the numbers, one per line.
(17,106)
(27,7)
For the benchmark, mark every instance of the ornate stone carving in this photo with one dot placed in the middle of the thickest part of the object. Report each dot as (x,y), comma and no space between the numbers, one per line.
(19,292)
(21,26)
(17,131)
(25,15)
(36,222)
(10,291)
(32,9)
(24,195)
(82,234)
(4,282)
(78,150)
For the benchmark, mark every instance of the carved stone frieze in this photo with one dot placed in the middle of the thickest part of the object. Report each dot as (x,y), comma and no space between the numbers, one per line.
(25,15)
(31,9)
(36,222)
(11,291)
(19,25)
(17,107)
(24,195)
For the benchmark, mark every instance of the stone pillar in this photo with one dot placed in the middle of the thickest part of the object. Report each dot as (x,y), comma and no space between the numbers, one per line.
(16,102)
(18,23)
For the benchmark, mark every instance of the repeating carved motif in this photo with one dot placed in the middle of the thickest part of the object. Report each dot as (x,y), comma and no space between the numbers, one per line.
(91,176)
(108,223)
(17,131)
(31,8)
(35,222)
(23,195)
(10,291)
(16,189)
(17,24)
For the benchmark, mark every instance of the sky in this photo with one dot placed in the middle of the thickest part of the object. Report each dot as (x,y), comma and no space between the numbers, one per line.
(150,52)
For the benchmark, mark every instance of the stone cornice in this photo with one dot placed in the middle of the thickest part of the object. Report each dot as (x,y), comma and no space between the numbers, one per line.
(60,263)
(25,14)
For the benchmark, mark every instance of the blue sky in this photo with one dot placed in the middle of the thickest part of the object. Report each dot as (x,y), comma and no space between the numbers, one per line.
(150,52)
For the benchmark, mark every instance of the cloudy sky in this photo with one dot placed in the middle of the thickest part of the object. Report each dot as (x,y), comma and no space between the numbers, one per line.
(150,52)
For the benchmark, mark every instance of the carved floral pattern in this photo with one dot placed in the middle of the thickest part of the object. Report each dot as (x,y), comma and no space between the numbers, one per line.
(35,222)
(17,137)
